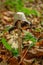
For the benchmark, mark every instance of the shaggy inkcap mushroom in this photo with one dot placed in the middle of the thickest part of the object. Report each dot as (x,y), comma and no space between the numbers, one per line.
(20,16)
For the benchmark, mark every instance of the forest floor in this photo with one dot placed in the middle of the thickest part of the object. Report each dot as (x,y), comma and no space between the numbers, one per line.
(33,56)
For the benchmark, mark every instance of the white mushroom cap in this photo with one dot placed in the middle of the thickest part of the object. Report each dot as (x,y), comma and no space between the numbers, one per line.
(20,16)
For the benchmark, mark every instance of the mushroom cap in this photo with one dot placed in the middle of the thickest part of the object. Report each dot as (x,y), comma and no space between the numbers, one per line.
(20,16)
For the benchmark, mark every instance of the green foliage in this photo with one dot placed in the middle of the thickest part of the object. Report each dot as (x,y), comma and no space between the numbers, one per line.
(18,5)
(28,11)
(15,52)
(8,47)
(30,37)
(11,4)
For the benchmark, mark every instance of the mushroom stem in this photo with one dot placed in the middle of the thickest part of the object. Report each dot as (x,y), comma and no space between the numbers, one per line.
(19,38)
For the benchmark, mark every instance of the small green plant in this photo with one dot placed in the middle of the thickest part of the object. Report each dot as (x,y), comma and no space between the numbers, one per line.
(4,42)
(8,47)
(28,36)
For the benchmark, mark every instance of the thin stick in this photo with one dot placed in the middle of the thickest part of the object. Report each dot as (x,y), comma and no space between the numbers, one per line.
(23,57)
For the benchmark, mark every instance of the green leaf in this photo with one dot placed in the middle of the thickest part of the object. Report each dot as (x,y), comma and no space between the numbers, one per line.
(15,52)
(6,45)
(28,36)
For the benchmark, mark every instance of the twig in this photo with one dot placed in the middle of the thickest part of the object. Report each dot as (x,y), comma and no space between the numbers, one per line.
(23,57)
